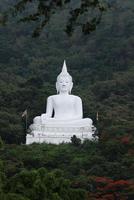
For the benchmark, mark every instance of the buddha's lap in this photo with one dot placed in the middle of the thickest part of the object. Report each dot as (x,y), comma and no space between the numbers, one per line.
(51,121)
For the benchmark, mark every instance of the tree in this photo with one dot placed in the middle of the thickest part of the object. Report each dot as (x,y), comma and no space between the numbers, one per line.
(75,141)
(90,11)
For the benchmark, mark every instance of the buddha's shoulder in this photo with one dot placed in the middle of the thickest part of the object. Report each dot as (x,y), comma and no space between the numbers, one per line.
(75,97)
(52,97)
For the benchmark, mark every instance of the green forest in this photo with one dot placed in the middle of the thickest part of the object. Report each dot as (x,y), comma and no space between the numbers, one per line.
(102,66)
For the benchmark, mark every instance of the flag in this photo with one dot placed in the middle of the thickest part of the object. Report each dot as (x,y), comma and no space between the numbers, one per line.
(24,113)
(97,116)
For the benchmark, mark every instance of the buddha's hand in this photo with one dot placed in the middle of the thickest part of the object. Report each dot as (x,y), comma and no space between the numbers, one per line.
(44,117)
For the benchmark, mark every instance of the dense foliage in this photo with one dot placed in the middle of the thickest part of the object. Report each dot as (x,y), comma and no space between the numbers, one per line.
(102,67)
(92,170)
(90,10)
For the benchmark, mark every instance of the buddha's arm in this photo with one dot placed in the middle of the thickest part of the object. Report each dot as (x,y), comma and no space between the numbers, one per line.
(49,110)
(78,109)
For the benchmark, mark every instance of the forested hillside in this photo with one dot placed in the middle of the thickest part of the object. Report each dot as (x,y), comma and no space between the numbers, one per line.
(88,171)
(101,64)
(102,67)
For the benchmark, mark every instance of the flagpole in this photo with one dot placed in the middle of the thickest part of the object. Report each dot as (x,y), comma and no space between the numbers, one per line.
(24,114)
(97,116)
(97,119)
(26,123)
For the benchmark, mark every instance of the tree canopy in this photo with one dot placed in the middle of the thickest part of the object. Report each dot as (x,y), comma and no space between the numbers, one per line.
(84,13)
(101,66)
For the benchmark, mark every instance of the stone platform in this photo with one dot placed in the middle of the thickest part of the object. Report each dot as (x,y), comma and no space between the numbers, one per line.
(57,135)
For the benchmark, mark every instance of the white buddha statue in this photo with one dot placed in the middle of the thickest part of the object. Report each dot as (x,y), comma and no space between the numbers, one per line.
(67,109)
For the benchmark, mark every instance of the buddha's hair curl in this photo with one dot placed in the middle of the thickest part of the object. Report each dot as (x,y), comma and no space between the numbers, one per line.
(67,75)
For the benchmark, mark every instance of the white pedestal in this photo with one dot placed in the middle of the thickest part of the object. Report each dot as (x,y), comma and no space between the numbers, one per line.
(57,135)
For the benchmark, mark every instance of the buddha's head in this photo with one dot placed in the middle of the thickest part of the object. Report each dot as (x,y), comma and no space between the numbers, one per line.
(64,81)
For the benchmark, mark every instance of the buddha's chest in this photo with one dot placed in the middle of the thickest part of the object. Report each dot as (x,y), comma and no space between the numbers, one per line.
(64,103)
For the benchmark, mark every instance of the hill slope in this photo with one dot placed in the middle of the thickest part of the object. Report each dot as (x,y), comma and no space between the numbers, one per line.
(101,64)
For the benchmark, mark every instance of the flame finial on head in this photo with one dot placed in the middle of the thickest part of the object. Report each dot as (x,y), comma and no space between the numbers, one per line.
(64,68)
(64,72)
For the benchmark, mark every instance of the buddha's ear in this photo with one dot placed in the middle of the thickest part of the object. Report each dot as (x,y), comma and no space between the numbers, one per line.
(57,88)
(71,86)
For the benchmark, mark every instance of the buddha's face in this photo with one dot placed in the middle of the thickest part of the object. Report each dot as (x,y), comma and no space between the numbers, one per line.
(64,84)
